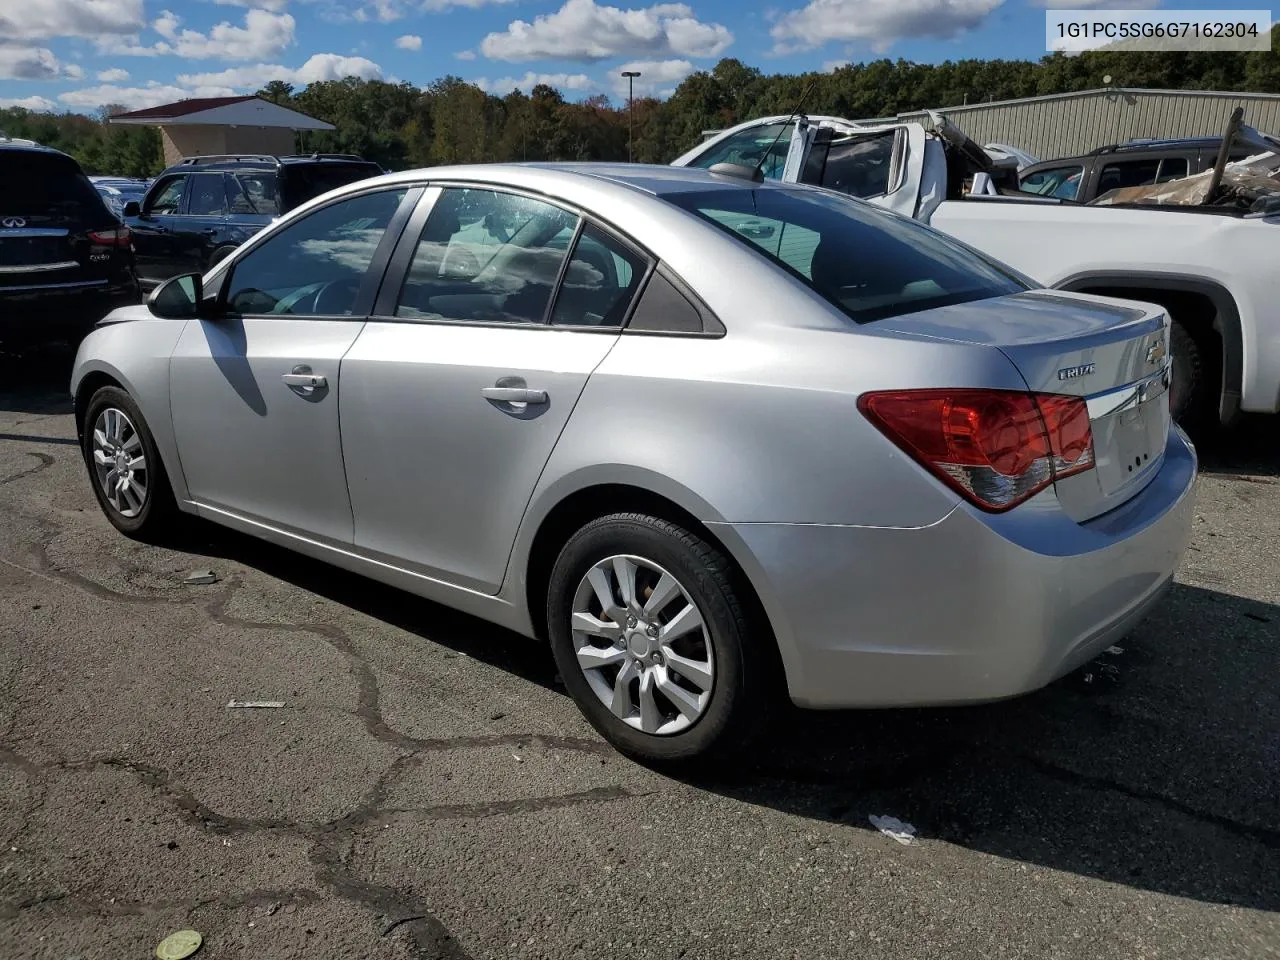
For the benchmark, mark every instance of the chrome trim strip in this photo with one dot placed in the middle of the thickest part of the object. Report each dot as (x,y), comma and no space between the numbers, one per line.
(40,267)
(1113,401)
(56,287)
(27,233)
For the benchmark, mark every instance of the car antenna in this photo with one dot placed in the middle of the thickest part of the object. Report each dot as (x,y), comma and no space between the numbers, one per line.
(756,174)
(804,98)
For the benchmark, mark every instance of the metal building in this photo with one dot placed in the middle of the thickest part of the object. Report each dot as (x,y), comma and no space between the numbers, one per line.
(1068,124)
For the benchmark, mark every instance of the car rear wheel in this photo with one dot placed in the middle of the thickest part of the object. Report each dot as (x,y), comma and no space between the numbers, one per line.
(651,638)
(128,477)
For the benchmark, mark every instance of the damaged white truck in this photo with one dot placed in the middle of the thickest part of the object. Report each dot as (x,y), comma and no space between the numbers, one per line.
(1215,269)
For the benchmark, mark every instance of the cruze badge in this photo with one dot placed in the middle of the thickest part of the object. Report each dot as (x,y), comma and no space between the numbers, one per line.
(1070,373)
(13,223)
(1155,352)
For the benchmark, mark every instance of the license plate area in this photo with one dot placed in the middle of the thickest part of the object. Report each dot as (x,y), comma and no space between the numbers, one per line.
(1130,427)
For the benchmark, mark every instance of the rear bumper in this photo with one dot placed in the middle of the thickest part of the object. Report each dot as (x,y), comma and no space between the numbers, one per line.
(36,312)
(974,607)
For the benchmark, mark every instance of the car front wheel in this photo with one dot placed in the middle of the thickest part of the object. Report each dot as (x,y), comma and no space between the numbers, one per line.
(651,639)
(128,477)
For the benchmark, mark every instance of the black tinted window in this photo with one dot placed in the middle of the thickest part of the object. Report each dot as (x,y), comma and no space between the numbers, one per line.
(1172,168)
(208,197)
(306,181)
(860,166)
(599,282)
(1129,173)
(869,263)
(315,265)
(253,193)
(486,257)
(45,184)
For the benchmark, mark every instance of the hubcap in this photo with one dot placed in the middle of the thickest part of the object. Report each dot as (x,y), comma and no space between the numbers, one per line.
(120,463)
(642,645)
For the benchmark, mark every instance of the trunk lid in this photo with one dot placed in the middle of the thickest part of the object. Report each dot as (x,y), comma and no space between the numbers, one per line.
(1114,354)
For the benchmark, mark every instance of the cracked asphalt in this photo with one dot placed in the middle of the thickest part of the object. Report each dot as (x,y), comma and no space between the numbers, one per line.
(429,791)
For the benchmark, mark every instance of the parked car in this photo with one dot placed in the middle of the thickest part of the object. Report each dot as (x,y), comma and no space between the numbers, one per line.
(709,437)
(65,260)
(117,191)
(1211,269)
(1133,164)
(201,209)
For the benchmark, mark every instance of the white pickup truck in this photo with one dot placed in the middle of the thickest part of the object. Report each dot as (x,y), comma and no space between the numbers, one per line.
(1215,270)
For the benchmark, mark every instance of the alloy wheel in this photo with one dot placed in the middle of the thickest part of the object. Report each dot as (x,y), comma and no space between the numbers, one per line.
(120,462)
(642,645)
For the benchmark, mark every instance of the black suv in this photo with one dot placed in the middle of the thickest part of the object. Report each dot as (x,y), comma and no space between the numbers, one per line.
(204,207)
(1134,164)
(65,259)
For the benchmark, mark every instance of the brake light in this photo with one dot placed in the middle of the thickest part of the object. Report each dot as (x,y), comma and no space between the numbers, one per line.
(118,237)
(995,447)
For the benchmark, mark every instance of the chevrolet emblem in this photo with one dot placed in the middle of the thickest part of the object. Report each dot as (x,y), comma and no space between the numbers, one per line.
(1155,352)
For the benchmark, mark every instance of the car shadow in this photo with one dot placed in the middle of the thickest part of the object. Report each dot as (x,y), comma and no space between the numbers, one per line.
(1156,767)
(1249,450)
(36,380)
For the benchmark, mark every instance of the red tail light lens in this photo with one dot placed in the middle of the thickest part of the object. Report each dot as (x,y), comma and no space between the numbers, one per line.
(119,237)
(996,447)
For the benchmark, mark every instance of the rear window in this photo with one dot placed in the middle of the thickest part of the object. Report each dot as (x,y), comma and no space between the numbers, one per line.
(306,181)
(870,263)
(46,185)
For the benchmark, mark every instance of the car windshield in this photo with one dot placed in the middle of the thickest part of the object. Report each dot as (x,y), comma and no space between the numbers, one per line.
(52,185)
(870,263)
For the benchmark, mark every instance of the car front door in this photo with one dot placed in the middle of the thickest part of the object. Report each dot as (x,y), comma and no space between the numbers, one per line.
(155,245)
(883,165)
(202,224)
(255,393)
(496,309)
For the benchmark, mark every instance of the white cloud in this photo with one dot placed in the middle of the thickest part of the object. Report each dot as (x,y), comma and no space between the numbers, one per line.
(135,98)
(114,75)
(28,63)
(73,71)
(28,103)
(437,6)
(583,30)
(263,34)
(275,6)
(409,42)
(578,82)
(1098,4)
(29,19)
(321,66)
(878,22)
(831,66)
(657,77)
(465,55)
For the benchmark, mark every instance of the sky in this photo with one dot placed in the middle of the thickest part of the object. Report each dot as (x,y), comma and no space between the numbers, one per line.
(81,54)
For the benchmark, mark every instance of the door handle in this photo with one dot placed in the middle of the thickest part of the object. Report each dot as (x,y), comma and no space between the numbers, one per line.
(303,382)
(514,395)
(212,231)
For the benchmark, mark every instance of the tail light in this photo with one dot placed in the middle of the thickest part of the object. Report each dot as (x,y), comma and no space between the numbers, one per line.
(996,447)
(118,237)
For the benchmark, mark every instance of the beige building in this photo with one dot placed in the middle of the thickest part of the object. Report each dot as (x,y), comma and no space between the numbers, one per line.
(1069,124)
(223,125)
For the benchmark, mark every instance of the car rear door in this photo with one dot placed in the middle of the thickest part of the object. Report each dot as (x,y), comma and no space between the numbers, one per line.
(496,309)
(254,394)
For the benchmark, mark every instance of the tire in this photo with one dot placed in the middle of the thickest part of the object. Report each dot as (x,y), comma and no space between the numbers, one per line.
(145,508)
(219,255)
(1190,400)
(729,663)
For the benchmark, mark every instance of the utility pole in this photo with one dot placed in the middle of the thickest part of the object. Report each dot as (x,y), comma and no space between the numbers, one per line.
(631,108)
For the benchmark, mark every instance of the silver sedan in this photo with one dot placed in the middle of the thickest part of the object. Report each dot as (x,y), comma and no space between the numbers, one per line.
(715,440)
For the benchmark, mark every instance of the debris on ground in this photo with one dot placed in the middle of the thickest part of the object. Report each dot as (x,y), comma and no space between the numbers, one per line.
(255,704)
(200,578)
(179,945)
(1114,651)
(899,830)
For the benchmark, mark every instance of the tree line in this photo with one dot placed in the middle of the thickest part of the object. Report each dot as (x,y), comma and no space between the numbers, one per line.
(453,121)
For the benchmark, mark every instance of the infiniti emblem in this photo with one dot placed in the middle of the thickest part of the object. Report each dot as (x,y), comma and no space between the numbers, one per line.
(13,222)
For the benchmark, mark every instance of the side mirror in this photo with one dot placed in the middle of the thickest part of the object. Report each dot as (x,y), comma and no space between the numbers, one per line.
(132,209)
(180,298)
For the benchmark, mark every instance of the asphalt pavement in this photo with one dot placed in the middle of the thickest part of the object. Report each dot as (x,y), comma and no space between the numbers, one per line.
(429,790)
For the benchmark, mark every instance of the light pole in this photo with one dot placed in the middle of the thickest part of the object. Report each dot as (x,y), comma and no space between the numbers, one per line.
(631,108)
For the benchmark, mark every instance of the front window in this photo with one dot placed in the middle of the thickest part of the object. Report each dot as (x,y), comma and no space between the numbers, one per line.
(866,261)
(314,266)
(770,141)
(168,198)
(1060,182)
(860,165)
